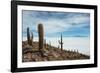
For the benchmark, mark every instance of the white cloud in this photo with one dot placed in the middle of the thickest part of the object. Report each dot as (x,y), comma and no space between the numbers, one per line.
(53,24)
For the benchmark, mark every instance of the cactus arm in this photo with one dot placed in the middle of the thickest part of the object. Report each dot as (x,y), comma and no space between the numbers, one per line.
(61,42)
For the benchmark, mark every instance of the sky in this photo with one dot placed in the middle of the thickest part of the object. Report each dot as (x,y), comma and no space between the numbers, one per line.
(69,24)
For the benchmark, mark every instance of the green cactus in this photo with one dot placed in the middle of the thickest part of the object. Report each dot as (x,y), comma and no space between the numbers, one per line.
(31,35)
(41,37)
(29,38)
(61,42)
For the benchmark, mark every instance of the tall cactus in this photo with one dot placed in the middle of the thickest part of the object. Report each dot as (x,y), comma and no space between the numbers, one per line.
(32,36)
(41,37)
(61,42)
(29,37)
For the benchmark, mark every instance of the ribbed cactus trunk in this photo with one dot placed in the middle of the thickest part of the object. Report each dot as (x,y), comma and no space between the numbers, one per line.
(61,42)
(41,37)
(31,39)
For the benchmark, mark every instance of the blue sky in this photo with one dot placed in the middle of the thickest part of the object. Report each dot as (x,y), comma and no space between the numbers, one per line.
(70,24)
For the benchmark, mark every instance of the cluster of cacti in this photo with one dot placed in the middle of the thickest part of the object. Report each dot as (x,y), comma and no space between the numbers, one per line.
(29,37)
(41,37)
(61,43)
(73,50)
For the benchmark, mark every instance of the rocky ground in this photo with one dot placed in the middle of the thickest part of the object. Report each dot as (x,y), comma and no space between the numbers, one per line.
(49,53)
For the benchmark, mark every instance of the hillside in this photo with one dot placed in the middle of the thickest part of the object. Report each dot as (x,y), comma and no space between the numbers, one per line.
(49,53)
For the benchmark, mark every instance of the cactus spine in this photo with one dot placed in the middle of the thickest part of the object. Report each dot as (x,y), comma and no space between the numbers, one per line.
(41,37)
(29,38)
(61,43)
